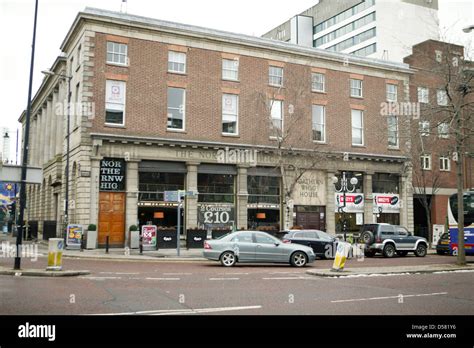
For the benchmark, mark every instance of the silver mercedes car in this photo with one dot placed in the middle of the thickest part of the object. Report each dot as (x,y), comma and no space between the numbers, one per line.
(253,247)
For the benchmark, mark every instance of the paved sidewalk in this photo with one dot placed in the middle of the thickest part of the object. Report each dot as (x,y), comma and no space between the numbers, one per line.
(387,271)
(41,273)
(116,254)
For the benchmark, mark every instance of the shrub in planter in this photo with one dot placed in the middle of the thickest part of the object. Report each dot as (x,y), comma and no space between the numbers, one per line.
(133,228)
(92,227)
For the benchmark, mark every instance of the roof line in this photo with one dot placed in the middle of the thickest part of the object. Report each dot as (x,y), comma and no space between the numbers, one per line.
(186,29)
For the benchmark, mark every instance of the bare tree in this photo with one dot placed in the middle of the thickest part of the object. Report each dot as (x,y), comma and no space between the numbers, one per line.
(287,115)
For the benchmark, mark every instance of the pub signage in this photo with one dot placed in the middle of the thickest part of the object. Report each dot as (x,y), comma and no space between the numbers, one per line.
(112,175)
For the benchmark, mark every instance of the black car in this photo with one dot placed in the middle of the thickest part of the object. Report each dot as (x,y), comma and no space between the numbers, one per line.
(323,244)
(442,248)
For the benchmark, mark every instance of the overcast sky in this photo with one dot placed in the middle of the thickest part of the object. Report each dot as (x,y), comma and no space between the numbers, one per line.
(253,17)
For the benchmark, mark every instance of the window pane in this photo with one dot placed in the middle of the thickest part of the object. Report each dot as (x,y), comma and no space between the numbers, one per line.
(319,123)
(114,117)
(176,108)
(177,62)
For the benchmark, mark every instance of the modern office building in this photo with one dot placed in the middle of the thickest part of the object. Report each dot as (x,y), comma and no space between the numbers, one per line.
(383,29)
(162,106)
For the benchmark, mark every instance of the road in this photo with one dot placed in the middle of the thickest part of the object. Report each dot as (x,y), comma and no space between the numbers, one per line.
(157,288)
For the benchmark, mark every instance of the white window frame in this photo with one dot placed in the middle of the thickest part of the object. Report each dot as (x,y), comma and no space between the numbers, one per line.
(392,96)
(441,127)
(323,124)
(273,105)
(107,105)
(424,128)
(175,59)
(361,129)
(423,95)
(274,78)
(357,85)
(231,71)
(321,82)
(236,115)
(396,131)
(183,129)
(445,164)
(442,97)
(426,162)
(116,52)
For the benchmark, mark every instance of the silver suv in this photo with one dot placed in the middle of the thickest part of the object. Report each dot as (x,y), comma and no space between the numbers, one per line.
(390,240)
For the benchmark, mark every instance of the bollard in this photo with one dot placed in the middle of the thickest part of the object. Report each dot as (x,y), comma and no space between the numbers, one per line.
(107,245)
(141,244)
(82,243)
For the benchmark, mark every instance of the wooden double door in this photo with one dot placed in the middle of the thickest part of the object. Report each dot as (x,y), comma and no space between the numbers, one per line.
(111,219)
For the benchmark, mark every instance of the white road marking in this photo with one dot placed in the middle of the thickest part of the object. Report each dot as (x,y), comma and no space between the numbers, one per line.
(390,297)
(101,278)
(118,273)
(176,274)
(288,278)
(287,272)
(182,311)
(234,274)
(164,279)
(224,279)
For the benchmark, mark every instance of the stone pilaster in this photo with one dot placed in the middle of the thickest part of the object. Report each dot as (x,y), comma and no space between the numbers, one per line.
(368,199)
(191,212)
(242,198)
(131,204)
(406,196)
(330,204)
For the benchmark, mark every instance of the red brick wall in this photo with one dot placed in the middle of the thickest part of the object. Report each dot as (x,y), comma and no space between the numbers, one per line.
(146,100)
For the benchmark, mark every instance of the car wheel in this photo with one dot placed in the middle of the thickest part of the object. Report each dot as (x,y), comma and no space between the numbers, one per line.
(421,250)
(389,251)
(369,253)
(367,237)
(228,259)
(298,259)
(402,253)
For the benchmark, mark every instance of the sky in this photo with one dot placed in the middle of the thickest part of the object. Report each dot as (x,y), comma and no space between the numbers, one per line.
(252,17)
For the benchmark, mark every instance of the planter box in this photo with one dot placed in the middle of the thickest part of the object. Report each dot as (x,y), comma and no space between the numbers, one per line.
(167,240)
(195,239)
(219,233)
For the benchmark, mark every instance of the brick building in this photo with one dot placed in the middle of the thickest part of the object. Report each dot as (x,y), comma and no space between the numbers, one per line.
(167,106)
(438,73)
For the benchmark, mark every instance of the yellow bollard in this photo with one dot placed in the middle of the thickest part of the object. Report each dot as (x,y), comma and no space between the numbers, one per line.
(55,253)
(342,254)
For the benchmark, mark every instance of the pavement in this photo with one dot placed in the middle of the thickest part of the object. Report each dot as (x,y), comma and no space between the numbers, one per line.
(117,253)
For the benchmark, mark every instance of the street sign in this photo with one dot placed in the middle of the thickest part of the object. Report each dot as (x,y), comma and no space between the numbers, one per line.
(171,196)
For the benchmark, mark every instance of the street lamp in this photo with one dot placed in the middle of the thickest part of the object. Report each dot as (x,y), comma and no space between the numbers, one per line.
(345,186)
(68,125)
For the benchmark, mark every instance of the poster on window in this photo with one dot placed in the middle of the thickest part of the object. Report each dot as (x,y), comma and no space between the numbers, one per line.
(216,215)
(229,104)
(354,202)
(115,92)
(386,203)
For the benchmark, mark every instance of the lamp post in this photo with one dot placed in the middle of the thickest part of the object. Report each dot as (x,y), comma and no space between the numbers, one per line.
(346,185)
(24,159)
(68,125)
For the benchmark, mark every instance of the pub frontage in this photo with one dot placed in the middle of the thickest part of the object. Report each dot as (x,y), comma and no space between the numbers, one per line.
(233,196)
